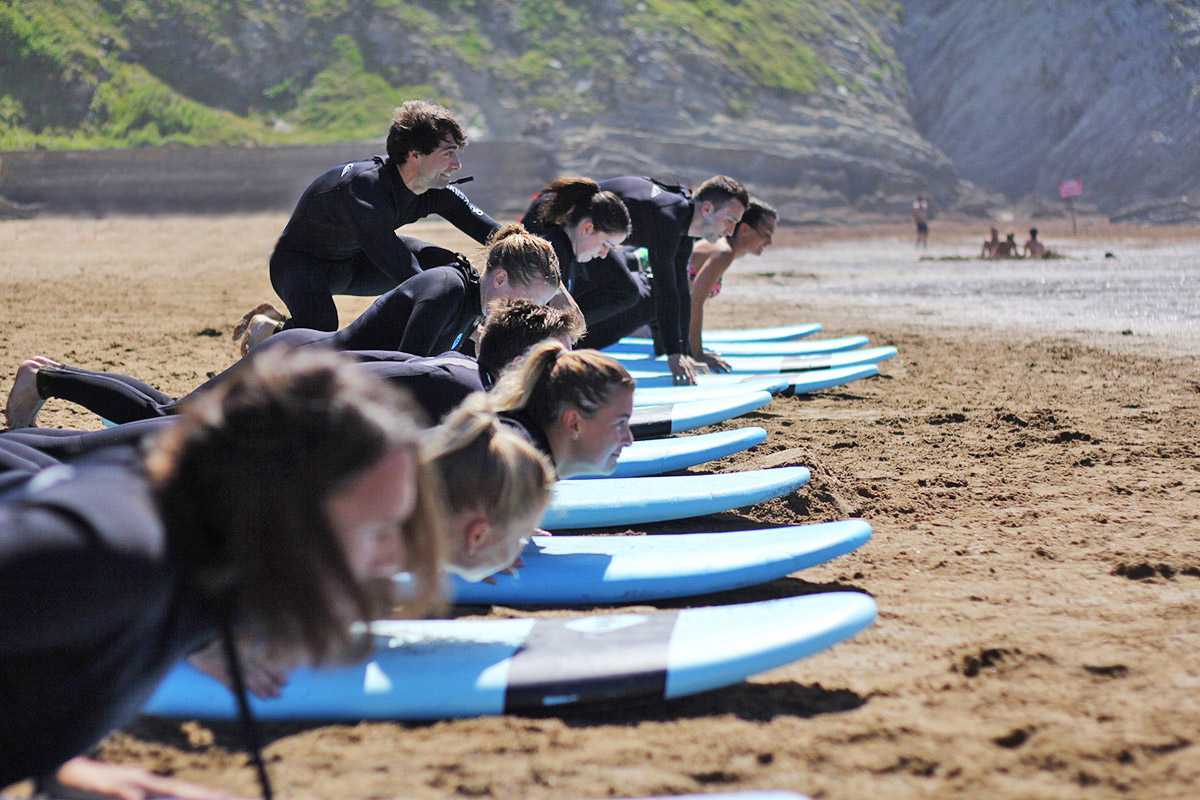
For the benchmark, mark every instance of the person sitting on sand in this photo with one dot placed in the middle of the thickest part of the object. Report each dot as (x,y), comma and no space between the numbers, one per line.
(990,245)
(1034,247)
(1007,248)
(710,261)
(282,502)
(341,238)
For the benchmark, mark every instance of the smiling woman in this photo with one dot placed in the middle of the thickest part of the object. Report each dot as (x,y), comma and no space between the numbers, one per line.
(572,405)
(284,500)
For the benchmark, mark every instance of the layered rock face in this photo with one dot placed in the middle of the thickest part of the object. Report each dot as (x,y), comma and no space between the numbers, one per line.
(1021,94)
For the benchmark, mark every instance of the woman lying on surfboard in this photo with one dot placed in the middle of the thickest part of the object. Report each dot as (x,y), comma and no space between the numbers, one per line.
(709,263)
(282,502)
(428,314)
(573,405)
(494,487)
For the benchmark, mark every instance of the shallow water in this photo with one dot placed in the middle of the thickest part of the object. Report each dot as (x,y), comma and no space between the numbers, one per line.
(1150,290)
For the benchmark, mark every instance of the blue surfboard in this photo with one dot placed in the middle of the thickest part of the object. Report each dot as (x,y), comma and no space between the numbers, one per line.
(649,421)
(583,570)
(632,501)
(643,366)
(798,382)
(779,333)
(437,669)
(793,348)
(655,456)
(663,395)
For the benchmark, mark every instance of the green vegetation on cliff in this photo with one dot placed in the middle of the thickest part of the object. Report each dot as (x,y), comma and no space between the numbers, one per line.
(111,73)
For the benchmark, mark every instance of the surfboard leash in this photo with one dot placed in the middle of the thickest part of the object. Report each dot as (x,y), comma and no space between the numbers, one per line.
(249,728)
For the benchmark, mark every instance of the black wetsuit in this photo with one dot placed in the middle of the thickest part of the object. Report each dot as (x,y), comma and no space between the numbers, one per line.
(661,215)
(94,609)
(341,238)
(529,430)
(601,287)
(438,384)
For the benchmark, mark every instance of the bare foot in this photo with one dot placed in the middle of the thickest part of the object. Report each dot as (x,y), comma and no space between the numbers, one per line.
(257,324)
(24,402)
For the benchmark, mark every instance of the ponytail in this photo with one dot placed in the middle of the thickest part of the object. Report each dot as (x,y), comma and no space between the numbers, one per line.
(569,201)
(550,378)
(528,259)
(484,465)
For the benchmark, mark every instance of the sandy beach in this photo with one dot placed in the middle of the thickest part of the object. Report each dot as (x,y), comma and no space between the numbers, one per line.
(1029,463)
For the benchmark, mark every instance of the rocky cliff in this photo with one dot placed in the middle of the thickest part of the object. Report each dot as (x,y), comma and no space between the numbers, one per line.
(1021,94)
(829,108)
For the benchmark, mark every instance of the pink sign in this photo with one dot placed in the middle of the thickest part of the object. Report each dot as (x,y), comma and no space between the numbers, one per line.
(1070,188)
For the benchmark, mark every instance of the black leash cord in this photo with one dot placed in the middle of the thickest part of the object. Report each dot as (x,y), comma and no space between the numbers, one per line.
(249,731)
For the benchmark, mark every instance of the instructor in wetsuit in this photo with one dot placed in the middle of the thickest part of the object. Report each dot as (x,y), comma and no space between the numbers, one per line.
(342,238)
(666,220)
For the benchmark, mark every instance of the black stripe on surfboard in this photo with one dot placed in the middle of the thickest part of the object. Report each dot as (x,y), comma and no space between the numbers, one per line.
(650,421)
(589,660)
(798,363)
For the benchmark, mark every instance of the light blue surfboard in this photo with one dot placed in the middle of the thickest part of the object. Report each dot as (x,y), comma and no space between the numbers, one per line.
(663,395)
(643,366)
(793,348)
(798,382)
(655,456)
(780,333)
(631,501)
(583,570)
(647,422)
(437,669)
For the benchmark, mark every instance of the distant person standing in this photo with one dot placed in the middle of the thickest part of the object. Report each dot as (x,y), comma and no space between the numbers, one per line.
(341,238)
(920,211)
(1034,248)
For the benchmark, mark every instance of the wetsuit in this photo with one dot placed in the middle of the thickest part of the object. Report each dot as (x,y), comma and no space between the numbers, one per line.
(528,430)
(341,238)
(661,215)
(438,384)
(95,607)
(601,287)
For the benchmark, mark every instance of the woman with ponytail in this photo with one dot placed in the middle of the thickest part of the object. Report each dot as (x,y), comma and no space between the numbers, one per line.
(573,405)
(585,225)
(498,486)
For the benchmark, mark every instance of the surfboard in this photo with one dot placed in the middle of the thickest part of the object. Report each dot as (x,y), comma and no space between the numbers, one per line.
(649,421)
(662,395)
(776,334)
(437,669)
(583,570)
(654,456)
(798,382)
(643,367)
(792,348)
(630,501)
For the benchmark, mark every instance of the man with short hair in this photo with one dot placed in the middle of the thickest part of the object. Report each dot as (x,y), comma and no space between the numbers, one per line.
(341,238)
(666,220)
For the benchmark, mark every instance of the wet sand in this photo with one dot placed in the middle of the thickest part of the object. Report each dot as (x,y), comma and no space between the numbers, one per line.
(1034,490)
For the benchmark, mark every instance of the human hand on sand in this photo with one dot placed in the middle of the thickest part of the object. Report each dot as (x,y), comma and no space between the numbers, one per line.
(128,782)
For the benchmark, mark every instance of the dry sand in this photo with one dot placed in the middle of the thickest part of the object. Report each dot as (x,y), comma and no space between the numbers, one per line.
(1036,558)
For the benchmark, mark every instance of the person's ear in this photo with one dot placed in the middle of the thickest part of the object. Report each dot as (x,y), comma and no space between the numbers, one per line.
(478,529)
(571,419)
(586,228)
(499,277)
(707,208)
